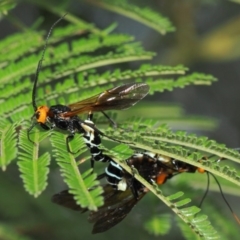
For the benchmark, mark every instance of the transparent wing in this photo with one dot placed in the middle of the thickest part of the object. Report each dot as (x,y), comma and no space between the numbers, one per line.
(120,97)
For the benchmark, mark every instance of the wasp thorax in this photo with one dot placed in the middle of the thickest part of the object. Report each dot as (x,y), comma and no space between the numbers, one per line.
(41,114)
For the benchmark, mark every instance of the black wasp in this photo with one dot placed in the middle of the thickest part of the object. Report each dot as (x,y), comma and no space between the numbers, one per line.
(118,203)
(65,117)
(168,167)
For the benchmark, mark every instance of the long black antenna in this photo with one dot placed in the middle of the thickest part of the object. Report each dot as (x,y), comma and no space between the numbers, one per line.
(224,198)
(206,192)
(40,63)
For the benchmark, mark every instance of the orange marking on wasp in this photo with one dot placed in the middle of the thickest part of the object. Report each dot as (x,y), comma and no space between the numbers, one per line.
(41,114)
(161,178)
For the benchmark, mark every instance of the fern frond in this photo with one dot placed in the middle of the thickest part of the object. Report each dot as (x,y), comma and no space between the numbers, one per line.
(94,42)
(22,113)
(34,168)
(11,90)
(138,75)
(17,45)
(15,71)
(84,187)
(144,15)
(15,104)
(160,85)
(27,66)
(228,231)
(163,135)
(189,235)
(194,185)
(8,143)
(94,79)
(180,149)
(22,44)
(192,141)
(86,62)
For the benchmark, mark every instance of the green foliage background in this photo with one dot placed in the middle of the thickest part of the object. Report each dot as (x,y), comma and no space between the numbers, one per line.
(83,60)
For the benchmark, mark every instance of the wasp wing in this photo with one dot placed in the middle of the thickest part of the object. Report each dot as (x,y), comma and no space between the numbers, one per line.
(115,209)
(117,204)
(66,199)
(120,97)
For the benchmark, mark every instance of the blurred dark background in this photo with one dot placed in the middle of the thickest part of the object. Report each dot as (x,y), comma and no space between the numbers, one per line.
(207,40)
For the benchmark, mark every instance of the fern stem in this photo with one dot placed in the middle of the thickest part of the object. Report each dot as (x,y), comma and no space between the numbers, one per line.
(34,164)
(128,10)
(2,148)
(192,145)
(80,181)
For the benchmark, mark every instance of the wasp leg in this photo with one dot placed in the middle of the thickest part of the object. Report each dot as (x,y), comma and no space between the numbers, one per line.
(28,132)
(114,124)
(90,116)
(68,139)
(92,162)
(132,184)
(45,127)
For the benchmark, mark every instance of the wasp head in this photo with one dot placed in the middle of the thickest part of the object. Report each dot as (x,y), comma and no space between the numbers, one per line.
(41,114)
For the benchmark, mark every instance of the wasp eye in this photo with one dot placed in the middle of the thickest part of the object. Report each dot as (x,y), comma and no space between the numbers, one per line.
(37,115)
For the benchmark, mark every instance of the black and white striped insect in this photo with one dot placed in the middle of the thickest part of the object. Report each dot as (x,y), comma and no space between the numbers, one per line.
(66,117)
(92,138)
(143,161)
(152,167)
(117,203)
(119,200)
